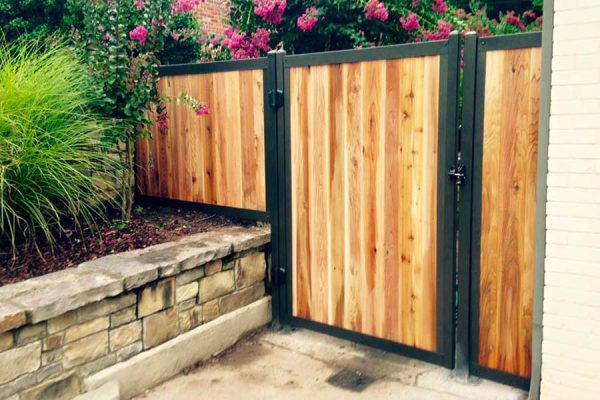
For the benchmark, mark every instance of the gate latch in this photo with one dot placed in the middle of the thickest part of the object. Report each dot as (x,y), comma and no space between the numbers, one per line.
(276,98)
(457,174)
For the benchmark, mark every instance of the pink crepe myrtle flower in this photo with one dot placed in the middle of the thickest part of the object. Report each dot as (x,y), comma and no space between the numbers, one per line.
(410,23)
(234,40)
(375,9)
(184,6)
(530,15)
(415,3)
(270,10)
(308,20)
(485,32)
(139,33)
(260,39)
(139,4)
(515,21)
(439,6)
(203,109)
(241,46)
(443,32)
(539,21)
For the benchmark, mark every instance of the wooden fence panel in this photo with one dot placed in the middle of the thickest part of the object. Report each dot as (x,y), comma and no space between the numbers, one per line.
(364,148)
(215,159)
(508,203)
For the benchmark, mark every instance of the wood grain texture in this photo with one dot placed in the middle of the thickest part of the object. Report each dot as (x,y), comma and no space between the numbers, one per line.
(214,159)
(508,199)
(364,147)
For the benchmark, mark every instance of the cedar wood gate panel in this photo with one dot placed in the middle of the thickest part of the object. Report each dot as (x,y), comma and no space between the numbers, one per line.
(349,153)
(500,139)
(364,196)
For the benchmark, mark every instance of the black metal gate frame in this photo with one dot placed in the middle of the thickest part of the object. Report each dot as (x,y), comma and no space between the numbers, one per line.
(469,234)
(448,50)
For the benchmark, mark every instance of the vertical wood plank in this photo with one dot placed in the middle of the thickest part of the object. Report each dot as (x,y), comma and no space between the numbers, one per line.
(259,197)
(353,304)
(426,318)
(337,184)
(407,134)
(248,147)
(371,85)
(300,203)
(318,126)
(391,200)
(507,231)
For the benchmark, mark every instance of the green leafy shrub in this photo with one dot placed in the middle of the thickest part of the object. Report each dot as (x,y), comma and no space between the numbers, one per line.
(51,167)
(42,18)
(38,17)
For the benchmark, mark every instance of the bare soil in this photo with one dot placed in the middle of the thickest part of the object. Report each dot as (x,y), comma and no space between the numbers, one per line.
(148,226)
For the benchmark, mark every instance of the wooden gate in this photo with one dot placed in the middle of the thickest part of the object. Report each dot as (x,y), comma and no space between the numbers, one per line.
(500,145)
(369,137)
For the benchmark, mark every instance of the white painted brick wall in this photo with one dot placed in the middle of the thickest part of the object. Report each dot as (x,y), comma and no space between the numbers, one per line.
(571,332)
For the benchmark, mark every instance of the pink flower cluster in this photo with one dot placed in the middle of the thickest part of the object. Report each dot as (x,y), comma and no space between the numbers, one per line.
(308,20)
(410,23)
(439,6)
(184,6)
(140,34)
(270,10)
(139,4)
(513,20)
(203,109)
(375,9)
(241,46)
(198,107)
(444,29)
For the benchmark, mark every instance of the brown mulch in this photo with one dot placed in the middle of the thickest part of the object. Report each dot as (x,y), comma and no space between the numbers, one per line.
(148,226)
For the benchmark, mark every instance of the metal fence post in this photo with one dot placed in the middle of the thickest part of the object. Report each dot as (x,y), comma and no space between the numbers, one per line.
(463,269)
(273,116)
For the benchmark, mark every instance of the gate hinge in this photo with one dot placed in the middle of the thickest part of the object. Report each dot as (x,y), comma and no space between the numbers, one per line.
(457,174)
(276,98)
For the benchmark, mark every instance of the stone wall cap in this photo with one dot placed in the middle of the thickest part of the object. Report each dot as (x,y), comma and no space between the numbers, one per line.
(11,316)
(39,299)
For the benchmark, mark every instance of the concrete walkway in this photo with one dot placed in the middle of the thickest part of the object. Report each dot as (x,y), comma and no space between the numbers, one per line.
(304,365)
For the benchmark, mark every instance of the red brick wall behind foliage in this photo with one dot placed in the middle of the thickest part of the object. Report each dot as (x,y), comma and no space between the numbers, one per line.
(212,15)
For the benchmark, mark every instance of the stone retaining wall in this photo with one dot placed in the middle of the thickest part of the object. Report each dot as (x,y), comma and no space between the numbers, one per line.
(57,329)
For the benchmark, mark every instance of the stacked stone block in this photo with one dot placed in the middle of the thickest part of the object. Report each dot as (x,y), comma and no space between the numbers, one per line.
(165,291)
